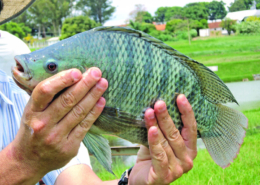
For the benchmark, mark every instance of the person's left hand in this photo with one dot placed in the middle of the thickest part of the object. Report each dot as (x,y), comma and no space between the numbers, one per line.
(170,153)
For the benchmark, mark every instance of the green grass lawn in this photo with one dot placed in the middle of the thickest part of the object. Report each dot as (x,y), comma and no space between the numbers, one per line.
(245,169)
(237,57)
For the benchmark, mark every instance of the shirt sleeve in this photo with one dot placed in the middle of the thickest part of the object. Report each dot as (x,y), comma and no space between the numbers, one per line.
(81,158)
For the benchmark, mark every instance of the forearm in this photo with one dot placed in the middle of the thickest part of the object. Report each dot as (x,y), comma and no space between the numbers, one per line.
(13,170)
(81,174)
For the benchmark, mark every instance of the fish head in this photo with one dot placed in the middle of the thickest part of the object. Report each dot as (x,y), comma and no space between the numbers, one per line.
(33,68)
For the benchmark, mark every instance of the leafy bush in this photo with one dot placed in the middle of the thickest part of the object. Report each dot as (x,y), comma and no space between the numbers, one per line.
(183,35)
(248,27)
(252,18)
(173,25)
(75,25)
(145,27)
(228,24)
(19,30)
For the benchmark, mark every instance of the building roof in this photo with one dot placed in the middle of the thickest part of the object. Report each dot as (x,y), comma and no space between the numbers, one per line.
(160,27)
(240,15)
(213,25)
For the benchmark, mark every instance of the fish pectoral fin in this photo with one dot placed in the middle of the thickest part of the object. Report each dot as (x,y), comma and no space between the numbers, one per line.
(99,147)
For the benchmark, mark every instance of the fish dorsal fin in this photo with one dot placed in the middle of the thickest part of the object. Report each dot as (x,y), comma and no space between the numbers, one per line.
(212,87)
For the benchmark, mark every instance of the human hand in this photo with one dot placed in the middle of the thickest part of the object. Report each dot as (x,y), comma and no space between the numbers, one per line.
(57,117)
(170,153)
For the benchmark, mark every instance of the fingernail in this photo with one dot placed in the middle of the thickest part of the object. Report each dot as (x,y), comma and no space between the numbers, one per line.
(184,101)
(162,108)
(101,102)
(101,84)
(96,74)
(151,116)
(76,75)
(155,131)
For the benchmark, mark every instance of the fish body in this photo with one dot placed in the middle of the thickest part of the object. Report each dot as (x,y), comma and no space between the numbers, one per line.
(140,70)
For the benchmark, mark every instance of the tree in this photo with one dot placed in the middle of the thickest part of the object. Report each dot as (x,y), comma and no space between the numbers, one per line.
(217,10)
(160,14)
(172,25)
(239,5)
(228,24)
(196,11)
(144,17)
(58,10)
(174,12)
(48,14)
(40,16)
(99,10)
(257,4)
(16,29)
(74,25)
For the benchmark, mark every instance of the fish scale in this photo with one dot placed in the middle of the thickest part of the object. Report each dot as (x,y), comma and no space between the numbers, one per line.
(141,70)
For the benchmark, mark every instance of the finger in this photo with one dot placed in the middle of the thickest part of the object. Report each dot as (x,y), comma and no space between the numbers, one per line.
(158,154)
(169,130)
(189,130)
(79,132)
(83,108)
(45,91)
(68,99)
(151,120)
(143,154)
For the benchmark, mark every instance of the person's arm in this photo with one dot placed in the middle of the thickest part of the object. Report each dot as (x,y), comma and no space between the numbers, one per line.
(52,126)
(170,154)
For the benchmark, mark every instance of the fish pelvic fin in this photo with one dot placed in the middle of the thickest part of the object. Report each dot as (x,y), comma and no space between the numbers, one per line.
(225,138)
(99,147)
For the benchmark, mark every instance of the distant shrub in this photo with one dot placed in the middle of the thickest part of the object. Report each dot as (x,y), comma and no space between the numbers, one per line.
(183,35)
(252,18)
(145,27)
(248,27)
(74,25)
(173,25)
(19,30)
(229,25)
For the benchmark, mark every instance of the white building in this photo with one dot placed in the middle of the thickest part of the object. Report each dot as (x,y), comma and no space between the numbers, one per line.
(53,40)
(241,15)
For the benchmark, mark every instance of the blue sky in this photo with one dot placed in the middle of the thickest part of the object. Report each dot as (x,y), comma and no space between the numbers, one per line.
(124,7)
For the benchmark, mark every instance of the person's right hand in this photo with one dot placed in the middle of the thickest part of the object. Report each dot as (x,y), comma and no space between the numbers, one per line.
(57,117)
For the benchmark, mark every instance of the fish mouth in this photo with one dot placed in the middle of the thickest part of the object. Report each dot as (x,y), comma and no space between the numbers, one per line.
(22,76)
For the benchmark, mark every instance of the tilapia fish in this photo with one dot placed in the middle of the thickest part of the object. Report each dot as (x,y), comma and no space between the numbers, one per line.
(140,70)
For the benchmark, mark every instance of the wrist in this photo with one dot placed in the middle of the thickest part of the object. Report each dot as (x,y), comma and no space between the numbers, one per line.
(125,176)
(16,169)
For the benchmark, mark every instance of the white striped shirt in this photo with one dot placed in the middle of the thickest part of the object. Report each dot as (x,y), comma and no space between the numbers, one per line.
(12,103)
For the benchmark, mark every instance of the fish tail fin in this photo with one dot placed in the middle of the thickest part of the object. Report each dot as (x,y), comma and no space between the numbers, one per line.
(224,140)
(99,147)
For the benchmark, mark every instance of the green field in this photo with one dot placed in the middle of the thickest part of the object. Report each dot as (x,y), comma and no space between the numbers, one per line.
(237,57)
(245,169)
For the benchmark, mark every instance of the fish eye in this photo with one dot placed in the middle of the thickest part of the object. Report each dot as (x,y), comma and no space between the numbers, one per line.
(52,66)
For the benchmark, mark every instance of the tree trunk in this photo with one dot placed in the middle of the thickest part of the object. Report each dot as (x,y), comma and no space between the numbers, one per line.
(43,32)
(189,31)
(39,31)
